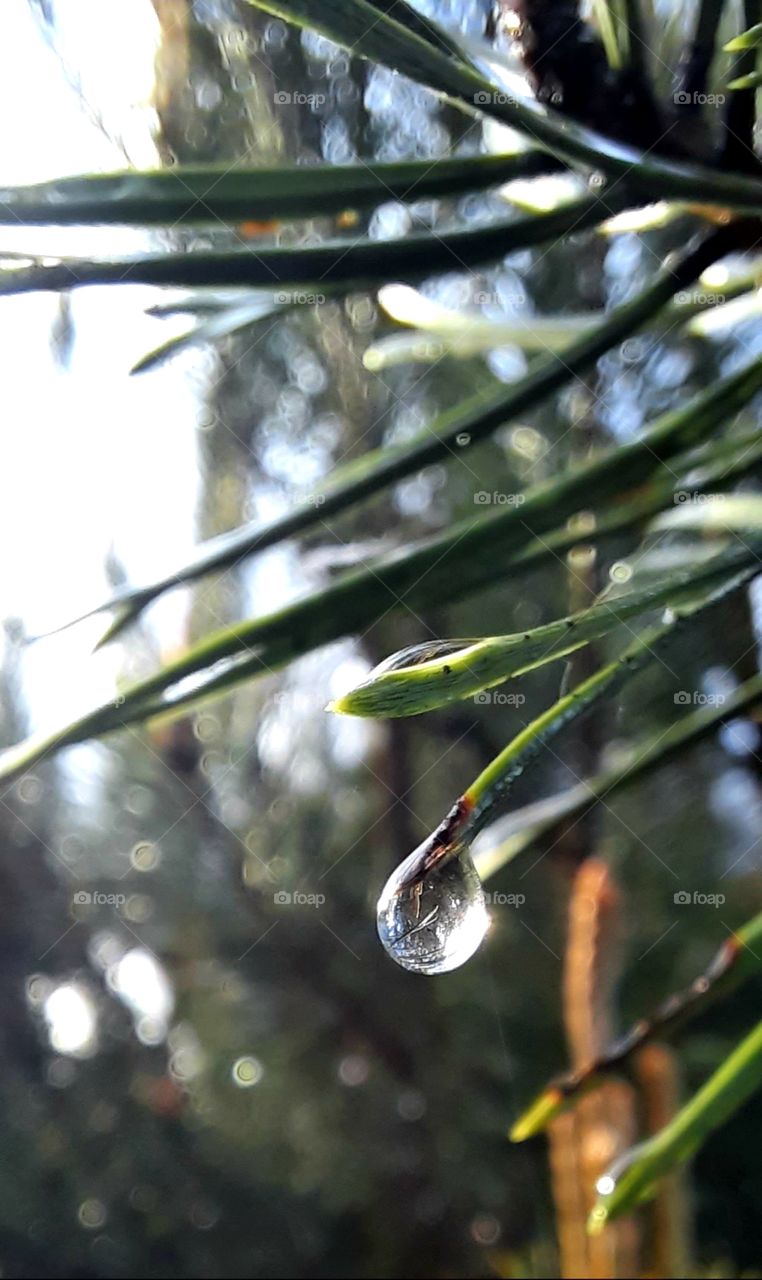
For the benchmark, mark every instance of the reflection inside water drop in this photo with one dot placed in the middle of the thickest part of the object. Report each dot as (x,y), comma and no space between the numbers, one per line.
(433,922)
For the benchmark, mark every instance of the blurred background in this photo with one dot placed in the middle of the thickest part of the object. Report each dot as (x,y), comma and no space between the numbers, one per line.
(199,1077)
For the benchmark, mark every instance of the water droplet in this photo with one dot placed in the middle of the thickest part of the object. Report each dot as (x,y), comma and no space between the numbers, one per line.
(138,908)
(485,1229)
(206,728)
(203,1215)
(150,1030)
(432,918)
(29,789)
(145,856)
(415,654)
(38,988)
(618,1167)
(92,1214)
(247,1072)
(620,572)
(411,1105)
(353,1070)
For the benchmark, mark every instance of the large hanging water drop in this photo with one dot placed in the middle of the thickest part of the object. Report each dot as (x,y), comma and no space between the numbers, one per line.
(432,913)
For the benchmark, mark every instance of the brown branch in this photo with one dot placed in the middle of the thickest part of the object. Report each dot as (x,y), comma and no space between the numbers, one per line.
(584,1142)
(734,962)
